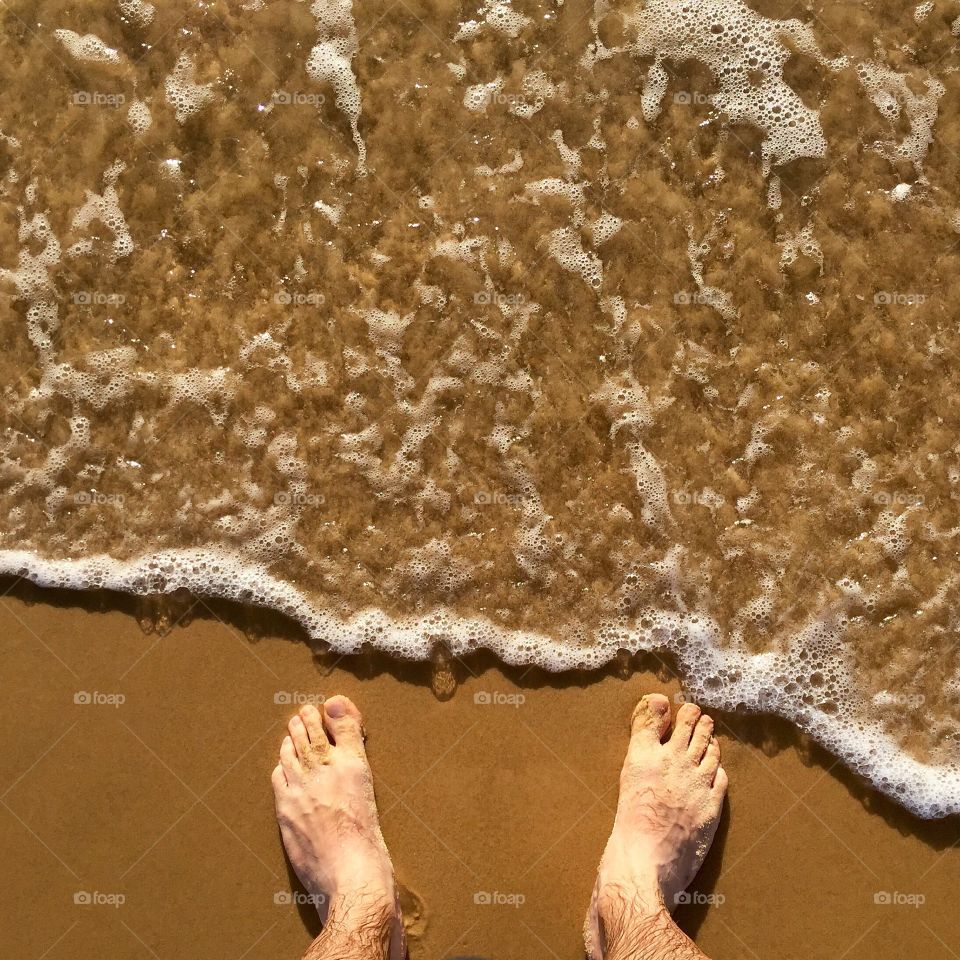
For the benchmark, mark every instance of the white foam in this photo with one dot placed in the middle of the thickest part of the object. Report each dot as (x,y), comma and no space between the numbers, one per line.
(139,117)
(331,61)
(88,47)
(141,12)
(744,51)
(183,94)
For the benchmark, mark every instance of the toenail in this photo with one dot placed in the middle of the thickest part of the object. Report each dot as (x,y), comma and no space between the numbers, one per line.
(336,708)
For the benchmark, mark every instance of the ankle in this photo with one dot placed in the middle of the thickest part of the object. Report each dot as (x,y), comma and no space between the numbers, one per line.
(622,901)
(634,921)
(362,923)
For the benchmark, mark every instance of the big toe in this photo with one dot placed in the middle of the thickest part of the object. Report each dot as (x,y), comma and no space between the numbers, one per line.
(651,718)
(343,722)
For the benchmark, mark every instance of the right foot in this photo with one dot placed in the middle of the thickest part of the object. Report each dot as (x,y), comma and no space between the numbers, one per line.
(671,795)
(330,828)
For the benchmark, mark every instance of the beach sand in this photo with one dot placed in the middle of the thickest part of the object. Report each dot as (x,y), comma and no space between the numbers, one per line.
(162,801)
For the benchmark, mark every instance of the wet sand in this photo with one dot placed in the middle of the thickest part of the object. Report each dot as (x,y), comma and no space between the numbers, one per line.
(164,800)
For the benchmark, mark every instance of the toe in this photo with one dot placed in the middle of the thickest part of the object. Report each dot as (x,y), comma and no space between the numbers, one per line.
(313,721)
(711,759)
(278,778)
(651,717)
(344,724)
(702,733)
(720,782)
(298,733)
(289,762)
(687,717)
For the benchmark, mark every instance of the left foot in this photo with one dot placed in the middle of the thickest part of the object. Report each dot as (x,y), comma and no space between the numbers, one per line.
(330,827)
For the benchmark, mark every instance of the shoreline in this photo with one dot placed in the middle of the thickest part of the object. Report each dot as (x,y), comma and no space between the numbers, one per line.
(148,799)
(927,790)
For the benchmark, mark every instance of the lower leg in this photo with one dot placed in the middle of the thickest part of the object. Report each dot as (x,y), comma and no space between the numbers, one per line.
(671,795)
(355,929)
(328,819)
(639,928)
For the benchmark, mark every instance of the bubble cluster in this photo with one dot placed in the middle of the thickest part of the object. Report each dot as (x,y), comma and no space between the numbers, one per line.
(88,47)
(330,61)
(185,95)
(744,51)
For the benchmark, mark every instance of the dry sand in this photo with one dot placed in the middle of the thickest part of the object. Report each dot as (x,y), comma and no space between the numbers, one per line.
(164,800)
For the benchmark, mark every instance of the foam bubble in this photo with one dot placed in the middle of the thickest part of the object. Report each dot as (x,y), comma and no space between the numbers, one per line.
(88,47)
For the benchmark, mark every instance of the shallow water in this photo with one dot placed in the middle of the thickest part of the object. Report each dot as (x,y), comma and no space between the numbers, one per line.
(554,328)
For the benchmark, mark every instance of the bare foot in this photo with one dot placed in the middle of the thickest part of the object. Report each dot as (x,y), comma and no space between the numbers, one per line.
(331,831)
(671,794)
